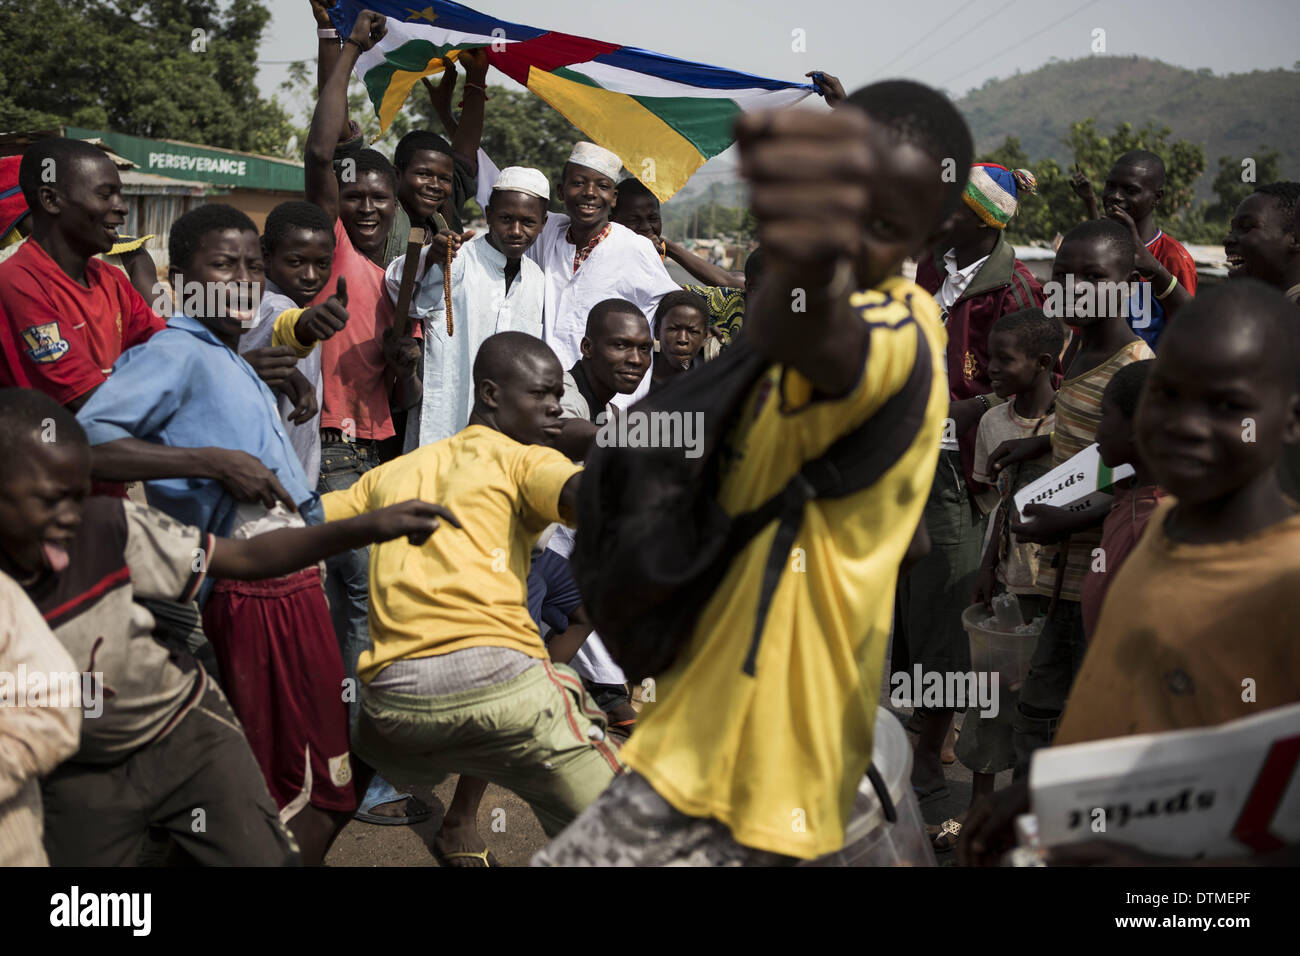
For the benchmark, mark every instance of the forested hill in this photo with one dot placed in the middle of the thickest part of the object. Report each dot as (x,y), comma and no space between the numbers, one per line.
(1233,115)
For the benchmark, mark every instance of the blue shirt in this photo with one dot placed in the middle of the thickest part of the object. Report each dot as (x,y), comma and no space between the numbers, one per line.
(185,389)
(1148,327)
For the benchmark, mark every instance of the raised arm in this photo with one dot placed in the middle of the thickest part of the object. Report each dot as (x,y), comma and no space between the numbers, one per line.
(808,172)
(327,55)
(332,114)
(469,132)
(1153,270)
(700,268)
(440,97)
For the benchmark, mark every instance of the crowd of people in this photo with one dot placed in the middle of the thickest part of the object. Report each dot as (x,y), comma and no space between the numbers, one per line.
(307,521)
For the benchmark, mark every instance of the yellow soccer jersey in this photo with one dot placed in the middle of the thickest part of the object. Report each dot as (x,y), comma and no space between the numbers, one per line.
(778,756)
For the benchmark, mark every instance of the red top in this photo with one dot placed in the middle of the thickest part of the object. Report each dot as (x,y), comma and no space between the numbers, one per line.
(1173,255)
(1002,285)
(354,392)
(59,336)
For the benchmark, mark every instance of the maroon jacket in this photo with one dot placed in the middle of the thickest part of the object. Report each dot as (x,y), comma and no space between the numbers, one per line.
(1002,285)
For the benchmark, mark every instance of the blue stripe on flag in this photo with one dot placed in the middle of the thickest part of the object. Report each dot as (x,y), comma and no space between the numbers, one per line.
(458,18)
(692,74)
(446,16)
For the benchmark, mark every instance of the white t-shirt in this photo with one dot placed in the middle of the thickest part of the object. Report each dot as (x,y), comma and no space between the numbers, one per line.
(480,307)
(622,266)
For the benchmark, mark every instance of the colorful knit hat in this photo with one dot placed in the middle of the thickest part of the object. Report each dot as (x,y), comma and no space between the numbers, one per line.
(993,192)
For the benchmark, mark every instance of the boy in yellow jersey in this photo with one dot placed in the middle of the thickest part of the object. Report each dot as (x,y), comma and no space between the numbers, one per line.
(734,769)
(458,679)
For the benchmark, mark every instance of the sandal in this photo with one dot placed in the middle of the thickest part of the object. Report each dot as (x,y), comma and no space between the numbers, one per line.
(416,812)
(485,858)
(945,836)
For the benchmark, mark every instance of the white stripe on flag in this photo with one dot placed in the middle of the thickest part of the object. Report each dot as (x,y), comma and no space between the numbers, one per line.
(488,174)
(405,33)
(634,83)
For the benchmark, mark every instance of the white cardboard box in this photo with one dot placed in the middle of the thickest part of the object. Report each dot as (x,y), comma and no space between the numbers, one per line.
(1223,791)
(1078,484)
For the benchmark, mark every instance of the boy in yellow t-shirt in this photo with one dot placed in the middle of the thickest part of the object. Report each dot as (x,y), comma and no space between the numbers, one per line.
(458,679)
(753,748)
(1208,595)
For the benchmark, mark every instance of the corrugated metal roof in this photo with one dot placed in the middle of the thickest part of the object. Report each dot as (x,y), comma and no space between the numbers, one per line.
(136,183)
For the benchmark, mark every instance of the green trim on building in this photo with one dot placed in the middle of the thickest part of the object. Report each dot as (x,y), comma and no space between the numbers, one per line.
(204,164)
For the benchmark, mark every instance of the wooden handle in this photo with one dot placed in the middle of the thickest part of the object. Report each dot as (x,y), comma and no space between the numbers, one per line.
(402,321)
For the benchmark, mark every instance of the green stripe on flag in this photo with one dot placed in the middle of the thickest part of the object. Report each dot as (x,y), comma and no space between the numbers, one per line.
(565,73)
(704,122)
(414,55)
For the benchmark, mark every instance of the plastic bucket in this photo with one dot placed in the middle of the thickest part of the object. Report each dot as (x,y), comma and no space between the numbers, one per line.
(871,839)
(999,652)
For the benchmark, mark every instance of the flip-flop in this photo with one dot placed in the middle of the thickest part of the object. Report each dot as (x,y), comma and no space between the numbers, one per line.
(484,856)
(422,813)
(945,836)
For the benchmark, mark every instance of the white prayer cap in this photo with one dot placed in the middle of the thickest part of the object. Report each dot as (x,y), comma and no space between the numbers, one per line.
(524,179)
(596,157)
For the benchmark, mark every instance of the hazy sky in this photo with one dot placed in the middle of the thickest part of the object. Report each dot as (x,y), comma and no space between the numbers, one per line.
(953,44)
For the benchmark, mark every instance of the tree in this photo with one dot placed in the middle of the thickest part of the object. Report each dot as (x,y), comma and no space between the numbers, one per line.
(167,69)
(1237,179)
(1184,161)
(1056,209)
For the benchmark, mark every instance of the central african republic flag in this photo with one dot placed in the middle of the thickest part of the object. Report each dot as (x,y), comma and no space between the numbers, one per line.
(657,113)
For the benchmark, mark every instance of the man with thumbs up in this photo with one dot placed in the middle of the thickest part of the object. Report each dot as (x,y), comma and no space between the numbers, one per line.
(298,250)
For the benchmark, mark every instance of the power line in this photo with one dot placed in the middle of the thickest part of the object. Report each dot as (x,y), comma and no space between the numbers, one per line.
(925,37)
(1021,43)
(991,18)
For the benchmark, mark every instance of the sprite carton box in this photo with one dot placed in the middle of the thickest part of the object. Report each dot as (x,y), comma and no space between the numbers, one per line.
(1226,790)
(1079,484)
